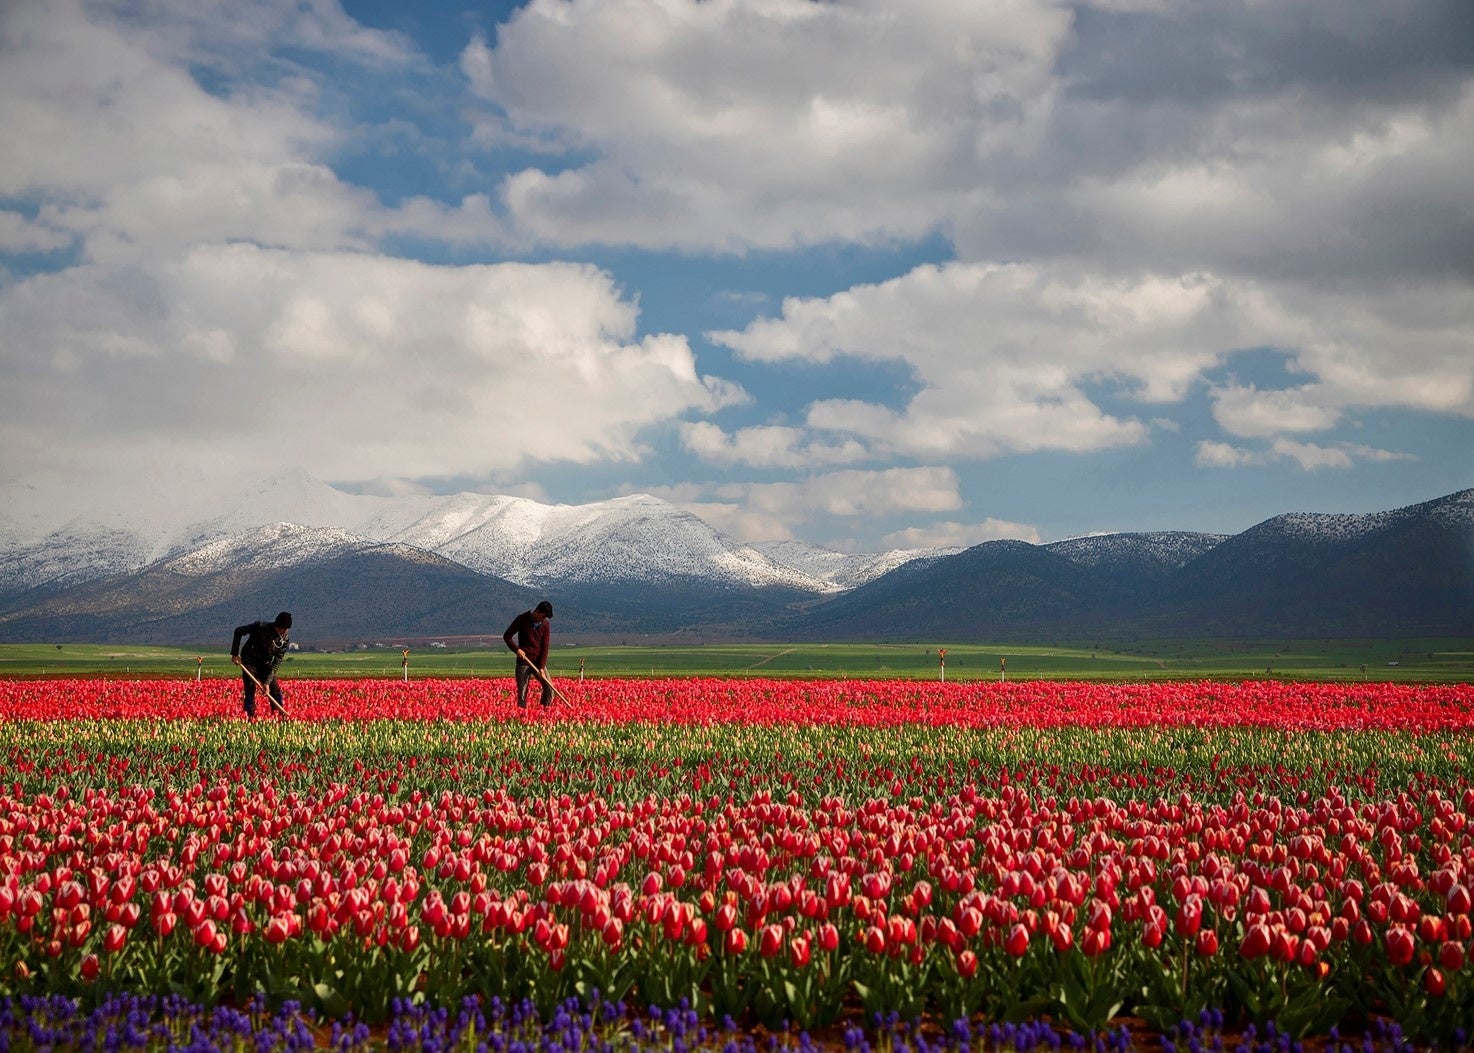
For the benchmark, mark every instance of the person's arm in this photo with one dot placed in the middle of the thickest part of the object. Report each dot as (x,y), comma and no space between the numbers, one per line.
(235,643)
(510,636)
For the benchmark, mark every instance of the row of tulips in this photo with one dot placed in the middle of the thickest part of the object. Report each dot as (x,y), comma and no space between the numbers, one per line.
(1033,704)
(768,872)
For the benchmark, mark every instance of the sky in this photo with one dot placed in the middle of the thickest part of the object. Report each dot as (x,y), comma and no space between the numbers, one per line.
(862,274)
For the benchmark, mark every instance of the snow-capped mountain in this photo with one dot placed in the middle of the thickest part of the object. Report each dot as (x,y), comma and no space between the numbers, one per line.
(57,533)
(1455,510)
(1404,573)
(276,546)
(636,540)
(1151,551)
(291,497)
(841,569)
(71,555)
(179,569)
(629,540)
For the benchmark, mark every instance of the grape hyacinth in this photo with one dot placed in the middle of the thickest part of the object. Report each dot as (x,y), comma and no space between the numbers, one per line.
(171,1024)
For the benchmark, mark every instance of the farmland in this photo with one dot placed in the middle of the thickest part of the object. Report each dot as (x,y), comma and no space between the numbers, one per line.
(835,857)
(1397,660)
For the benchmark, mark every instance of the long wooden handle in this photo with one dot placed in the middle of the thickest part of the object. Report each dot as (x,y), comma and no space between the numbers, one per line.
(262,687)
(542,676)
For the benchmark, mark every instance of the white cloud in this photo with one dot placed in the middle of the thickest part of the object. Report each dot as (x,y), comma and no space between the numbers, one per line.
(1289,187)
(1247,412)
(766,446)
(1005,355)
(771,511)
(1223,455)
(1308,456)
(853,493)
(1402,344)
(1311,457)
(20,234)
(118,137)
(762,122)
(1173,183)
(354,366)
(736,520)
(1258,139)
(964,535)
(127,150)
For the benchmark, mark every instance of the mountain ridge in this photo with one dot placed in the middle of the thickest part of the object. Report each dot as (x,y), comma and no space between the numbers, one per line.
(641,565)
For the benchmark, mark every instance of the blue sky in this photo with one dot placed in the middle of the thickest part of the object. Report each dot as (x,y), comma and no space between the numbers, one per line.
(865,274)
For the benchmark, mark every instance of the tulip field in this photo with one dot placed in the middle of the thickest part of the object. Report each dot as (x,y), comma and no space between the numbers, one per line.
(731,864)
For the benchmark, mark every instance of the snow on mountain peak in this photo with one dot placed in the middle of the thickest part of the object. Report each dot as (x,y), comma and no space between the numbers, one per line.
(1162,548)
(841,570)
(276,545)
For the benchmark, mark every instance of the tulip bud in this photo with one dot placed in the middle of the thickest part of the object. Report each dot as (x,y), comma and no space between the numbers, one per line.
(770,941)
(1400,946)
(875,939)
(278,929)
(1017,941)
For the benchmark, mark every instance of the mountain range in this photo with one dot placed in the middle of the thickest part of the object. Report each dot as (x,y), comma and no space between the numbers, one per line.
(357,567)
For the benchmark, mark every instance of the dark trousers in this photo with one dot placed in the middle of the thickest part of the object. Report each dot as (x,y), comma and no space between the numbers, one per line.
(524,680)
(273,688)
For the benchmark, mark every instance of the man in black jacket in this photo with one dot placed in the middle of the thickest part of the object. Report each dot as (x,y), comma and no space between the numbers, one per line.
(259,659)
(528,636)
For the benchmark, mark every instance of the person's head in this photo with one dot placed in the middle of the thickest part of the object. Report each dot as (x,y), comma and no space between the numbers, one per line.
(542,610)
(283,622)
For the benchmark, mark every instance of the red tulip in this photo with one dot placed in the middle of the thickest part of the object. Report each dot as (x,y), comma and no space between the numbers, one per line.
(1017,941)
(1435,983)
(1400,946)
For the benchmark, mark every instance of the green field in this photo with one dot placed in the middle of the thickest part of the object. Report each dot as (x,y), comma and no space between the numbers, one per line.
(1422,660)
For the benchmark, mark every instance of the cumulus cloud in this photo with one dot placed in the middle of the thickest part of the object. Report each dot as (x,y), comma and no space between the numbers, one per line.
(961,535)
(127,150)
(1005,355)
(1265,138)
(1134,191)
(737,520)
(853,493)
(1272,152)
(1225,455)
(1312,457)
(766,446)
(762,122)
(1309,456)
(1009,358)
(354,366)
(770,511)
(19,233)
(1247,412)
